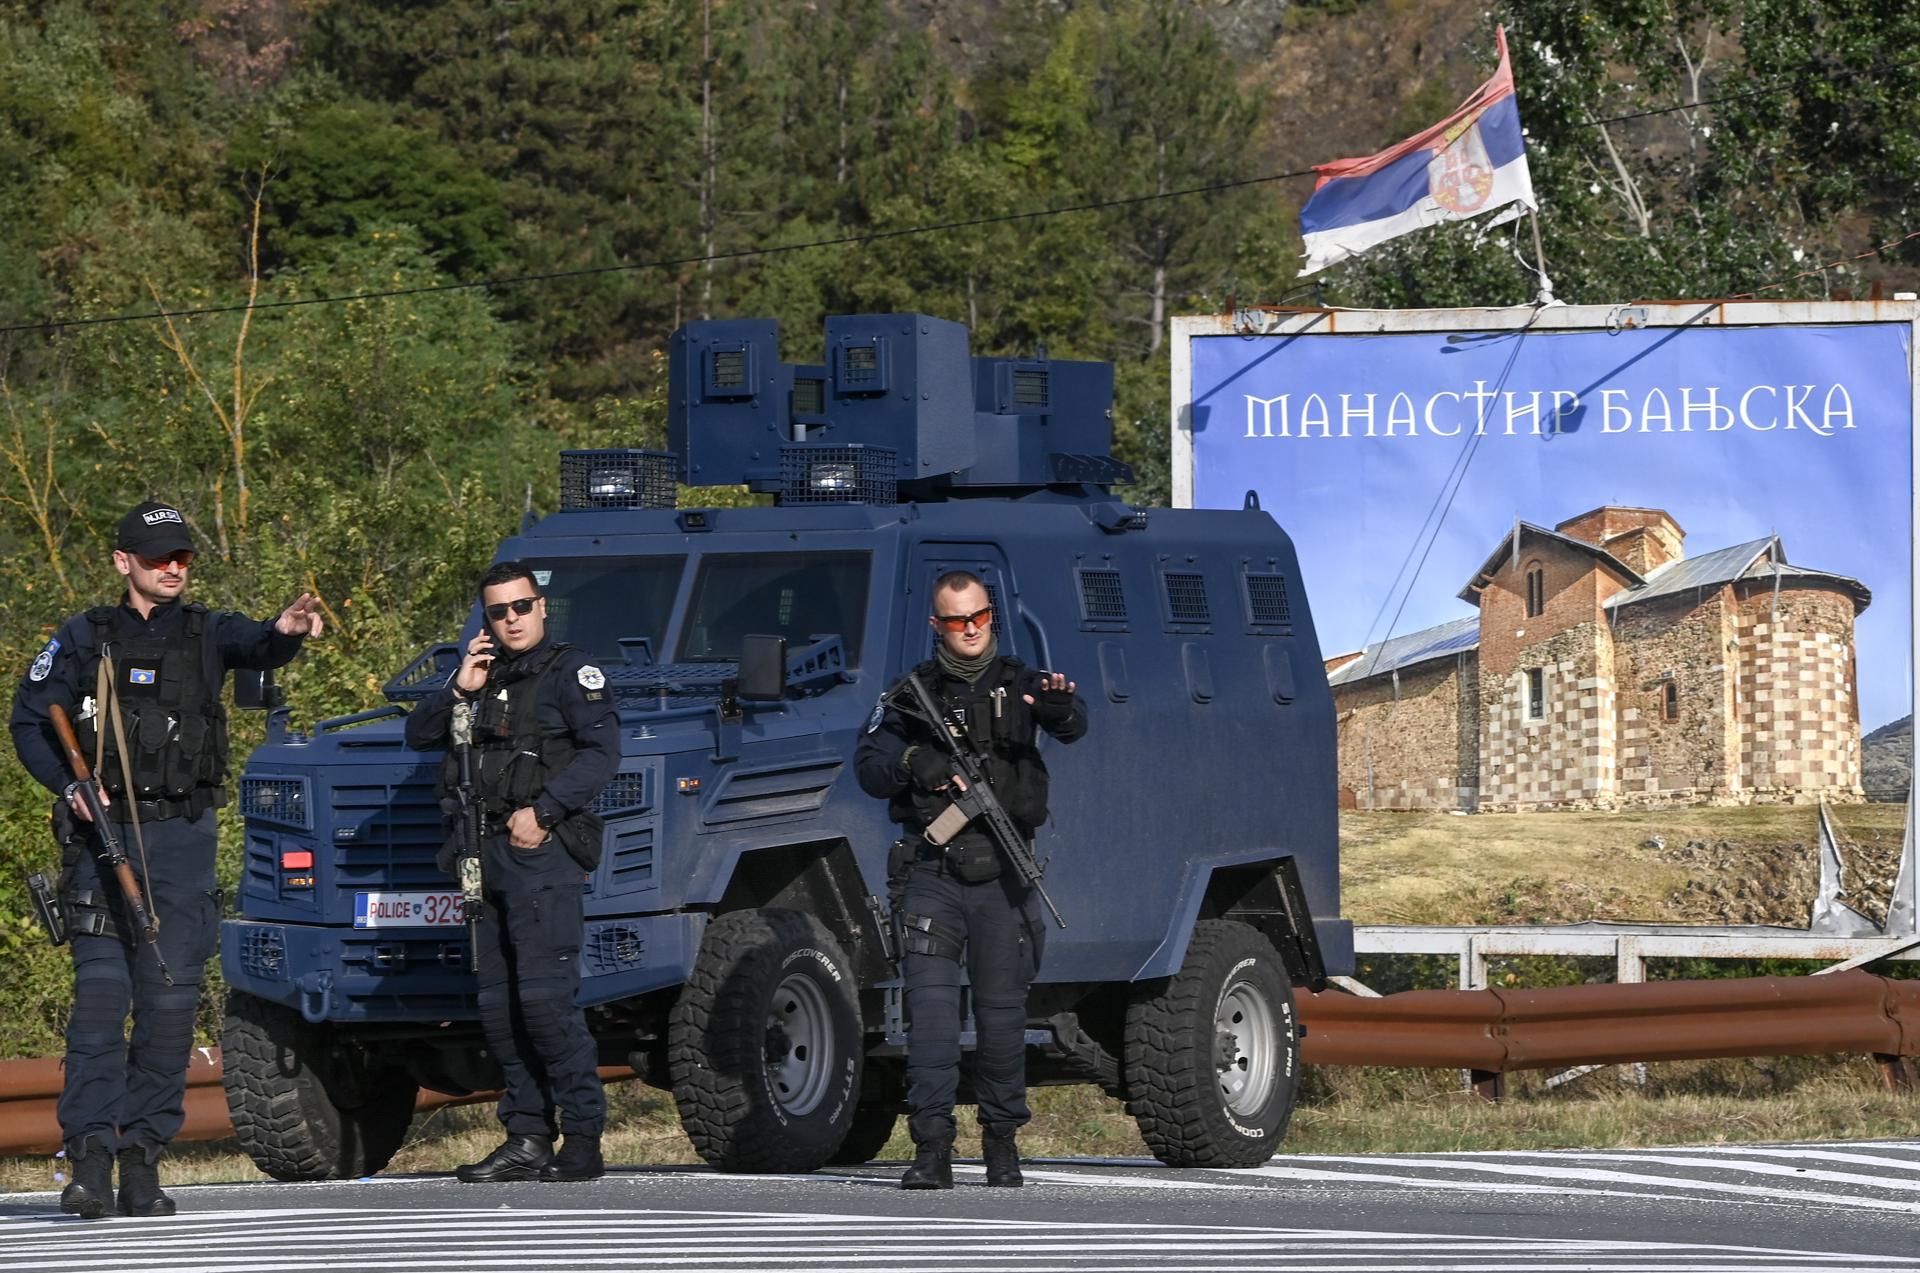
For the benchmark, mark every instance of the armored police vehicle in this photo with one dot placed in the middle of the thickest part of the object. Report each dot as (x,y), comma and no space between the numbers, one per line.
(734,946)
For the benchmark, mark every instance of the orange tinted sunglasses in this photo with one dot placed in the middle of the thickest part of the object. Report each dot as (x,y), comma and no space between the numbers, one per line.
(961,622)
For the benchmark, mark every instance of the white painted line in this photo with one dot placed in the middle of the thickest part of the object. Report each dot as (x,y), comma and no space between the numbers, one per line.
(1826,1155)
(1676,1261)
(1674,1184)
(1751,1167)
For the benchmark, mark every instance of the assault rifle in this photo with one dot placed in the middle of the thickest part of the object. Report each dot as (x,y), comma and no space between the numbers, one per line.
(111,852)
(467,830)
(974,800)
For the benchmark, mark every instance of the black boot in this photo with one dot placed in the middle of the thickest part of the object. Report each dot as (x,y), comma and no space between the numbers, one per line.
(1002,1155)
(933,1164)
(90,1193)
(140,1183)
(578,1159)
(520,1157)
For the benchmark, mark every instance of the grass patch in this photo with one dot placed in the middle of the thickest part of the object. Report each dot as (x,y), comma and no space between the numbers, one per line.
(1753,865)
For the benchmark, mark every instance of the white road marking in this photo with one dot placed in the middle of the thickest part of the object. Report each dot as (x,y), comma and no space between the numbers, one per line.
(503,1238)
(1577,1175)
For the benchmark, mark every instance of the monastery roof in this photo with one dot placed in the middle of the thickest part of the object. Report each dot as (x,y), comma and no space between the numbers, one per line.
(1764,559)
(1761,560)
(1505,551)
(1452,637)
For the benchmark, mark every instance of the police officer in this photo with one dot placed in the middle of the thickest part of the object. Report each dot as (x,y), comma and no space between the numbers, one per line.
(963,900)
(168,660)
(545,741)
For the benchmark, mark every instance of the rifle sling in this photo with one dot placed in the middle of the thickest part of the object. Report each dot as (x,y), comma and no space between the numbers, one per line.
(108,704)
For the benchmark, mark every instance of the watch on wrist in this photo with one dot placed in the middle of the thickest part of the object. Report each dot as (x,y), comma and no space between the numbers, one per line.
(545,819)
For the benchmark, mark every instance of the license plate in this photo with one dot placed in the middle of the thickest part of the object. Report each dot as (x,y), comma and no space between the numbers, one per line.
(407,910)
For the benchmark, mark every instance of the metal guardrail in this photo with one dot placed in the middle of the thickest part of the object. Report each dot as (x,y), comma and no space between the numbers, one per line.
(30,1089)
(1500,1031)
(1628,945)
(1488,1032)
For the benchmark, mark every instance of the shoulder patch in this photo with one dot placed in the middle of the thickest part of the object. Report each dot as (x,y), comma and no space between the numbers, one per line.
(591,677)
(879,711)
(43,662)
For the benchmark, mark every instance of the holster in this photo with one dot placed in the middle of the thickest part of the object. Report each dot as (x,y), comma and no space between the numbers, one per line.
(46,908)
(581,834)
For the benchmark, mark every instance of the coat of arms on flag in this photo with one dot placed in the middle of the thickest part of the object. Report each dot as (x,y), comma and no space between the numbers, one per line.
(1472,162)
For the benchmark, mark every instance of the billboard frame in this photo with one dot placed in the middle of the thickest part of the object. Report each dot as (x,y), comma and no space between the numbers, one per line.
(1903,916)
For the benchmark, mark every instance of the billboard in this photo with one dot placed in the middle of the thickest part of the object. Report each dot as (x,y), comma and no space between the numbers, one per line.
(1581,557)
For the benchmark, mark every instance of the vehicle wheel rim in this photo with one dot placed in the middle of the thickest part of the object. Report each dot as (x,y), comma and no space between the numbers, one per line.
(1247,1053)
(799,1045)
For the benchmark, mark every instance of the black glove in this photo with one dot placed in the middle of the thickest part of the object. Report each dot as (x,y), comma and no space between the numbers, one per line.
(1053,707)
(930,768)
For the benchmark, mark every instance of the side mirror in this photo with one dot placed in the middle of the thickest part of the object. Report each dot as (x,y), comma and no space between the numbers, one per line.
(255,691)
(763,669)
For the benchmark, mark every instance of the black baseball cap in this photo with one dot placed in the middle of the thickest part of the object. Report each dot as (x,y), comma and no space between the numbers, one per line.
(153,529)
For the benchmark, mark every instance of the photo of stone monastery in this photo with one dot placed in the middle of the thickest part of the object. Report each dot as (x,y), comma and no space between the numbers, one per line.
(1603,667)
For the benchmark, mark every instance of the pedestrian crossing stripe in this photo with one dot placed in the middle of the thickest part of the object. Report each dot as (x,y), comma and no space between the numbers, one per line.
(287,1238)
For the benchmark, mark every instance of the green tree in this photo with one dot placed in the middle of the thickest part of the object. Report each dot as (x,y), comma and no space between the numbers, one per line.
(343,170)
(1786,126)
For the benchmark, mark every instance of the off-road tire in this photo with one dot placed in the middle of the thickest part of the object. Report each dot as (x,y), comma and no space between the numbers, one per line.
(297,1109)
(874,1118)
(1200,1099)
(753,1098)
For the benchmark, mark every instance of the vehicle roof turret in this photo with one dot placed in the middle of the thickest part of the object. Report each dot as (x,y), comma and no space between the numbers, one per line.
(897,409)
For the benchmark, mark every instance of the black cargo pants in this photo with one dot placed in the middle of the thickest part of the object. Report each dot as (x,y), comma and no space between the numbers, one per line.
(528,954)
(1000,921)
(122,1094)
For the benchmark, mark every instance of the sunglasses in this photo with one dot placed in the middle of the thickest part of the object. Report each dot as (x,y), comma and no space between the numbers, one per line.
(519,605)
(182,557)
(961,622)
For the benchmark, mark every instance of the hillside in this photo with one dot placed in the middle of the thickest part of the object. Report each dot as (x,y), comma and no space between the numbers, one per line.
(1887,761)
(1756,865)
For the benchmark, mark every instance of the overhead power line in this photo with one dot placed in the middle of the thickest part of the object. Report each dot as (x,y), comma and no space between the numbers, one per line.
(846,240)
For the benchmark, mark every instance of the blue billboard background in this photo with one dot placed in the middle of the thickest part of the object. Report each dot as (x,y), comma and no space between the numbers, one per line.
(1355,443)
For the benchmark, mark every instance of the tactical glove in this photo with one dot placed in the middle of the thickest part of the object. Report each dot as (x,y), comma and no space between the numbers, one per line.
(1053,707)
(930,769)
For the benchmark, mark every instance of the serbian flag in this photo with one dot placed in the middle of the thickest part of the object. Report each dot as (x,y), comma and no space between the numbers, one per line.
(1470,163)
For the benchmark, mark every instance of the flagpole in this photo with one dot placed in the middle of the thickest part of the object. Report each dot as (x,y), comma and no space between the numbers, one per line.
(1545,298)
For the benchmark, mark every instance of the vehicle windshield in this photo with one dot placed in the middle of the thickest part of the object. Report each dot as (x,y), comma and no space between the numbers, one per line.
(594,601)
(794,595)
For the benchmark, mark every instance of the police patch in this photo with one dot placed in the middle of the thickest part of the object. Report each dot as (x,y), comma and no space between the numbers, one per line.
(592,678)
(43,662)
(879,710)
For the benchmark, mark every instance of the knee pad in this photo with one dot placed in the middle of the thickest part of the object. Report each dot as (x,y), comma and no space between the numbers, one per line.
(163,1017)
(102,995)
(549,1011)
(998,1000)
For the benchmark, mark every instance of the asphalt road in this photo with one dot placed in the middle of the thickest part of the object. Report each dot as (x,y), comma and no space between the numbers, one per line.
(1750,1208)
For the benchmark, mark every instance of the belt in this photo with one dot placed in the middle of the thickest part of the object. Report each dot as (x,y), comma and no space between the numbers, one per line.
(926,851)
(191,805)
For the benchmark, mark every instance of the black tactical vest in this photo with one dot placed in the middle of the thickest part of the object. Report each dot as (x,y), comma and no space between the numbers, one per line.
(175,725)
(1000,720)
(512,759)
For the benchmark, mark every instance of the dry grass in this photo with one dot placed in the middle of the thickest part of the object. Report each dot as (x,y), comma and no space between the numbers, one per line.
(1690,865)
